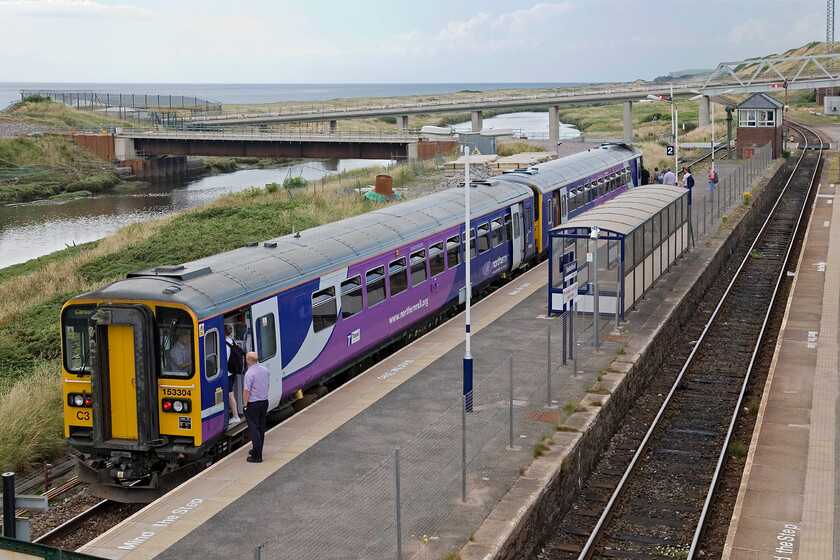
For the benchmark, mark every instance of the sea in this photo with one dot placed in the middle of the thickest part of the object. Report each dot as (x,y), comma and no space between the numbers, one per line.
(265,93)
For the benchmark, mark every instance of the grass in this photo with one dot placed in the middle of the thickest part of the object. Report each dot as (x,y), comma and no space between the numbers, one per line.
(511,148)
(24,442)
(60,115)
(32,293)
(737,448)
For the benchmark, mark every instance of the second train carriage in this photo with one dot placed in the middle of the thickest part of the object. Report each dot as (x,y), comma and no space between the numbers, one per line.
(312,305)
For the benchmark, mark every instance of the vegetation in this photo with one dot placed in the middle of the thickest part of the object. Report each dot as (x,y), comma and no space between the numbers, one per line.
(511,148)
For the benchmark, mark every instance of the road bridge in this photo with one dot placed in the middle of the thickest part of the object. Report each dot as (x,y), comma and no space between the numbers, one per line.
(745,76)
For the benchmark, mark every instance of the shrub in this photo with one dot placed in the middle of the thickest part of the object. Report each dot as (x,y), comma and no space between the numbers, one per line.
(294,183)
(37,98)
(272,188)
(747,198)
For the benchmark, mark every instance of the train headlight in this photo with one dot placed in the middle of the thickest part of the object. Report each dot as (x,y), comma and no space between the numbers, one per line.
(78,400)
(178,406)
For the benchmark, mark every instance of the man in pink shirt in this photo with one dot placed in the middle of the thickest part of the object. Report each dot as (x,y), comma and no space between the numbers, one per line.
(255,395)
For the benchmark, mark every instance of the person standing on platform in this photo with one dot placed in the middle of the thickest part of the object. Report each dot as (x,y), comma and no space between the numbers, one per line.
(645,176)
(670,178)
(255,396)
(712,182)
(688,181)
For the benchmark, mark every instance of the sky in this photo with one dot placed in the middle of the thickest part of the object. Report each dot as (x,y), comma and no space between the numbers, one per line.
(390,41)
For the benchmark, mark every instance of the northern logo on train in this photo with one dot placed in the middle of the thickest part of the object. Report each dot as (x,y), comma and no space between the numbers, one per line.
(486,269)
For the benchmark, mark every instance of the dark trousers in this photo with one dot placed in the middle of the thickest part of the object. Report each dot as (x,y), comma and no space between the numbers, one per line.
(255,414)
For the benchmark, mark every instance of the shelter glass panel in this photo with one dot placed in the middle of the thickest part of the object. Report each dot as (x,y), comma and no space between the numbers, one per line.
(656,224)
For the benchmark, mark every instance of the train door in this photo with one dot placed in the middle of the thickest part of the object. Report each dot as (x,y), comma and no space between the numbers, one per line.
(564,212)
(517,243)
(265,326)
(125,408)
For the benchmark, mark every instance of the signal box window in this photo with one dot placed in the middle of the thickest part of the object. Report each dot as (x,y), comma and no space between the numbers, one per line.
(397,276)
(211,354)
(176,342)
(375,281)
(324,309)
(266,339)
(436,261)
(453,251)
(418,267)
(76,335)
(351,297)
(497,233)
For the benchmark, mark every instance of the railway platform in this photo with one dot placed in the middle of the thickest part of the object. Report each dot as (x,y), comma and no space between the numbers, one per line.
(314,457)
(786,505)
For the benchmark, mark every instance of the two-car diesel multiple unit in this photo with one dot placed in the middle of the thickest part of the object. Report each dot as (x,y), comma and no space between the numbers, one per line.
(145,374)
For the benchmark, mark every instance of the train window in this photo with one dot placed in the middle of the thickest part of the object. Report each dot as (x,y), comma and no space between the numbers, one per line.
(418,267)
(472,242)
(496,232)
(516,228)
(580,200)
(483,237)
(509,228)
(176,342)
(76,335)
(436,260)
(211,354)
(572,200)
(453,251)
(375,281)
(266,339)
(351,296)
(529,225)
(324,309)
(397,276)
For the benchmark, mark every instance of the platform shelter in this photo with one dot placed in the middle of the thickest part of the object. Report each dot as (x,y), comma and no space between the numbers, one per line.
(632,240)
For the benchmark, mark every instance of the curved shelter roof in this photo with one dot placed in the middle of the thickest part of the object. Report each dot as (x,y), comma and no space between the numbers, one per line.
(626,212)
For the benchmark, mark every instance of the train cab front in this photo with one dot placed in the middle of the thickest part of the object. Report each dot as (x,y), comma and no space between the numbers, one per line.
(129,389)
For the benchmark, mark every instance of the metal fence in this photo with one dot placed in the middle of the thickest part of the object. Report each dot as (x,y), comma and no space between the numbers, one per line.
(391,511)
(709,206)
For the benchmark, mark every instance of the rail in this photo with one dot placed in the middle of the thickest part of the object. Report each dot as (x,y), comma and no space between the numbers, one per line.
(589,549)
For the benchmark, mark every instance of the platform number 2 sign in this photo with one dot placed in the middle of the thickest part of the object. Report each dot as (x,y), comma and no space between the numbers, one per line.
(669,150)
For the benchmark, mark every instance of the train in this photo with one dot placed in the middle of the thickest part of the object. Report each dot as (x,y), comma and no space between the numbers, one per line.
(316,305)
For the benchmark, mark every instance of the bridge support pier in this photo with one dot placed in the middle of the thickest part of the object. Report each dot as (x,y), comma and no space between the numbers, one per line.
(628,122)
(705,104)
(333,127)
(554,123)
(402,123)
(477,121)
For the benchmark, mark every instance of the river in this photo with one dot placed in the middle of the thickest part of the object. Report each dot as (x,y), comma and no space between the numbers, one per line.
(33,229)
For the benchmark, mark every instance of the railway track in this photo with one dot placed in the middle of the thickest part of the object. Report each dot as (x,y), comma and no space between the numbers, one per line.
(651,493)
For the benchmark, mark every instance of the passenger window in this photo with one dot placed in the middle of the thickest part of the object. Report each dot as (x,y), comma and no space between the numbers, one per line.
(453,251)
(496,232)
(516,227)
(397,276)
(176,342)
(472,242)
(418,267)
(508,228)
(529,225)
(483,237)
(266,341)
(211,354)
(572,201)
(375,281)
(436,260)
(351,297)
(324,309)
(580,199)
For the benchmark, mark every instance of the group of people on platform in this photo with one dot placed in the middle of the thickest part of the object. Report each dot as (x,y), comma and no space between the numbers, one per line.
(667,177)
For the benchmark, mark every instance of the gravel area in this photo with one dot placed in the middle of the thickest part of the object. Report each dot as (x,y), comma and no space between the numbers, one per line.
(10,129)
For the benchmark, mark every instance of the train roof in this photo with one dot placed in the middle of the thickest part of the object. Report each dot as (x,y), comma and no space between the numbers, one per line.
(563,171)
(234,278)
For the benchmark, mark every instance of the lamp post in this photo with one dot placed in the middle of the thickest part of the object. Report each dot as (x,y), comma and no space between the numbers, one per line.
(468,359)
(698,96)
(594,233)
(674,125)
